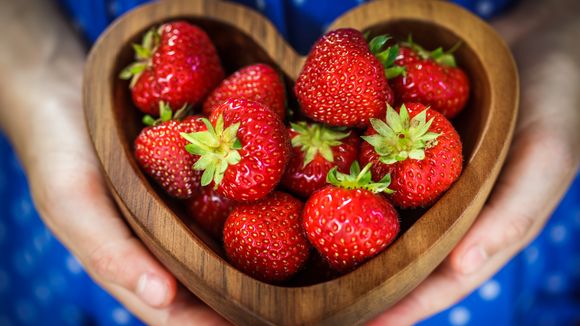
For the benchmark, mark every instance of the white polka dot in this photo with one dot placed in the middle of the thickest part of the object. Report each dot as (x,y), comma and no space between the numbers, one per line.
(490,290)
(531,253)
(42,293)
(4,281)
(23,262)
(121,316)
(57,282)
(21,210)
(25,311)
(555,283)
(485,7)
(73,265)
(2,232)
(459,316)
(558,233)
(299,3)
(261,4)
(41,241)
(5,321)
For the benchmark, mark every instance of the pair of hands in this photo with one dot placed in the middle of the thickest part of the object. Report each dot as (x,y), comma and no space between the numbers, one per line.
(70,194)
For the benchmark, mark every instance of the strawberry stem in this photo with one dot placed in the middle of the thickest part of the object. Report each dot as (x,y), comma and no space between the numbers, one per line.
(316,139)
(217,149)
(358,179)
(399,137)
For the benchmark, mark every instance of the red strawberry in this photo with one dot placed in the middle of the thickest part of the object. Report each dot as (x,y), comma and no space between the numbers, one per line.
(431,78)
(177,64)
(342,83)
(244,152)
(259,82)
(160,151)
(317,149)
(266,239)
(350,221)
(419,148)
(210,210)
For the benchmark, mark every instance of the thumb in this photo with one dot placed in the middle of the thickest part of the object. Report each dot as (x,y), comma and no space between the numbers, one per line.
(124,262)
(537,174)
(89,225)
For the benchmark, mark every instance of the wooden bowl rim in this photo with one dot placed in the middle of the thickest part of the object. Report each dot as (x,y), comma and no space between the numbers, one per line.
(377,279)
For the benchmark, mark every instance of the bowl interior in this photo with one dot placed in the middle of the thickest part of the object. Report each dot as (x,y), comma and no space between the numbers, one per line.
(236,49)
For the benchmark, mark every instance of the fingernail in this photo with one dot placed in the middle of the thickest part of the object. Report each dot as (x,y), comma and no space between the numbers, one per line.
(473,259)
(152,290)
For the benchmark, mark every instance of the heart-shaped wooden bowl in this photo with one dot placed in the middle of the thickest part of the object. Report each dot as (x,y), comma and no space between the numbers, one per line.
(242,37)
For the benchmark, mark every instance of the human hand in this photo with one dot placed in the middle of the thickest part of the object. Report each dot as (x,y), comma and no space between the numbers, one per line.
(70,194)
(542,162)
(41,112)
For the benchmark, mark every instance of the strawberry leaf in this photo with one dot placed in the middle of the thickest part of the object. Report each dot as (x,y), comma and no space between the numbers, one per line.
(317,139)
(387,57)
(148,120)
(358,179)
(395,71)
(217,149)
(165,112)
(399,137)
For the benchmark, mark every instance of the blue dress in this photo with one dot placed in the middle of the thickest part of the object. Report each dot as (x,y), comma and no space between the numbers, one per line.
(42,283)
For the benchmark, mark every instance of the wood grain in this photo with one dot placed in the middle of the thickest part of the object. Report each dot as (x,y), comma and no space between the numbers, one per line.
(242,37)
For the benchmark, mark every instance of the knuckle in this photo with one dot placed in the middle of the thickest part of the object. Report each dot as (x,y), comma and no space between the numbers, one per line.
(103,263)
(519,228)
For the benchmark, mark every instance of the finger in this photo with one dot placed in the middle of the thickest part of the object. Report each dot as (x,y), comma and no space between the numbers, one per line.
(537,175)
(78,210)
(185,310)
(443,288)
(526,193)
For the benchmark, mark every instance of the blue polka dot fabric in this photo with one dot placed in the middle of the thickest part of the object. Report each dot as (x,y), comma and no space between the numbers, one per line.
(42,283)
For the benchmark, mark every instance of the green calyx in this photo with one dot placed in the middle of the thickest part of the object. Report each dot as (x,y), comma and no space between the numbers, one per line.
(217,149)
(166,114)
(400,137)
(143,54)
(316,139)
(387,56)
(358,179)
(444,58)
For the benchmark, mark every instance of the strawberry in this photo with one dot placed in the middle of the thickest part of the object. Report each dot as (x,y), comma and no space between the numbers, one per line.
(350,220)
(316,150)
(244,151)
(431,78)
(419,148)
(259,82)
(160,151)
(209,210)
(342,83)
(177,64)
(266,239)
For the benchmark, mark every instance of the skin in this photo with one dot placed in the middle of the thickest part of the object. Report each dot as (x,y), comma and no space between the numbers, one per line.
(41,81)
(542,162)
